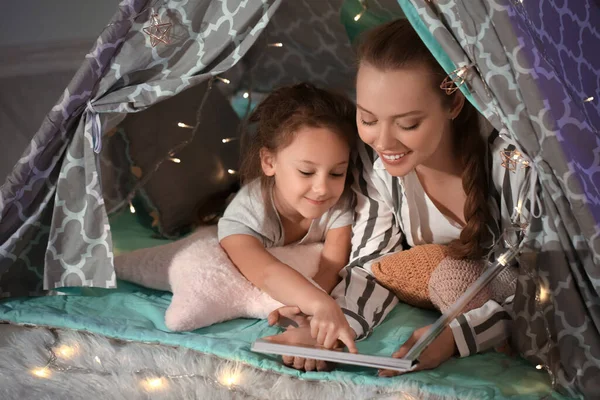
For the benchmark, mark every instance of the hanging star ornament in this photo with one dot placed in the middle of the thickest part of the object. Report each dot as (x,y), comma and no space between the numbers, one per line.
(508,160)
(511,158)
(158,32)
(455,79)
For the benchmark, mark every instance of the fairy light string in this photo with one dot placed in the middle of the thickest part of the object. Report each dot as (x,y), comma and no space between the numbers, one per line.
(228,376)
(510,160)
(541,49)
(171,153)
(364,9)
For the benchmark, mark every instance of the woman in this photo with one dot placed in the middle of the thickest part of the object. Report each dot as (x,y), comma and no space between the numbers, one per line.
(425,174)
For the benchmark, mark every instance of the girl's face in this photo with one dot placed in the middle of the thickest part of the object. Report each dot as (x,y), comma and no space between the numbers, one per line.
(402,117)
(309,173)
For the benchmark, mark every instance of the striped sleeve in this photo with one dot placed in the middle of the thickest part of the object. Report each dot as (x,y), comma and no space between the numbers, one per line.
(375,233)
(481,329)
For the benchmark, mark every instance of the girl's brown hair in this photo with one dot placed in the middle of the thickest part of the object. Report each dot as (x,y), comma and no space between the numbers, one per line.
(277,118)
(396,45)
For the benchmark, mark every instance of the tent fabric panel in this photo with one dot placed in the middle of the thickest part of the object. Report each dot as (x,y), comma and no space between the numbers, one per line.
(53,166)
(562,332)
(71,245)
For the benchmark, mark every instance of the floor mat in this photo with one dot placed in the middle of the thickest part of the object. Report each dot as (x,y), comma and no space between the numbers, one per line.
(135,313)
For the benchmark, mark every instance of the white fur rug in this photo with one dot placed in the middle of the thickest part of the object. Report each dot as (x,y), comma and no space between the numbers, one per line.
(88,366)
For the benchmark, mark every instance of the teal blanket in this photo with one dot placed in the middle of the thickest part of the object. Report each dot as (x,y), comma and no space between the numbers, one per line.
(135,313)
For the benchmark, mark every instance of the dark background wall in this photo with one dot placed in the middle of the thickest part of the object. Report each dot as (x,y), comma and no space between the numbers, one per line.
(42,43)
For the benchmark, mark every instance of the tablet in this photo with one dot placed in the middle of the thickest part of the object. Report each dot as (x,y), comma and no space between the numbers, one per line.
(264,345)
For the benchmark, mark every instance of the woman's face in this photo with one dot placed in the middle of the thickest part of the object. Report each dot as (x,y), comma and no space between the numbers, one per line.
(401,115)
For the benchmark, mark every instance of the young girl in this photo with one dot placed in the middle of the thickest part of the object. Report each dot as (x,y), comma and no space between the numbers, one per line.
(425,174)
(294,175)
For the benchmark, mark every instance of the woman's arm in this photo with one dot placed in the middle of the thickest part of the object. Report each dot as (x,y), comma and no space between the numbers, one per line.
(334,257)
(482,328)
(375,233)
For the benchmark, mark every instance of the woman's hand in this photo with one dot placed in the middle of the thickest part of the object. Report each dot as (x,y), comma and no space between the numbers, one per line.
(301,336)
(328,324)
(440,350)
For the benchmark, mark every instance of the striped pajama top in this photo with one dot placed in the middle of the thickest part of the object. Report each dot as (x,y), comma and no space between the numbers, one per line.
(390,214)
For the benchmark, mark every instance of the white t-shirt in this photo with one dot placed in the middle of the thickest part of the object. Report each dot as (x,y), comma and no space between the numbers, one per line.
(424,223)
(248,214)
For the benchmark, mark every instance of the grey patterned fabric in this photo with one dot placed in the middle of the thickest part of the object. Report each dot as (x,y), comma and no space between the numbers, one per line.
(557,306)
(54,230)
(116,173)
(316,47)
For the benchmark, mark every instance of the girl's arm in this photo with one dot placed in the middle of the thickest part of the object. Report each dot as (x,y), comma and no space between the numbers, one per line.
(334,257)
(288,286)
(266,272)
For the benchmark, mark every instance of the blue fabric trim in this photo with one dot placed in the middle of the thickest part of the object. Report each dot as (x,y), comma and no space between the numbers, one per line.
(434,47)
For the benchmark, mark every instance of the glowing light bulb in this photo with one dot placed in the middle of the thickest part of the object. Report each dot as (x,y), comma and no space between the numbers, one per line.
(462,71)
(65,351)
(229,139)
(182,125)
(278,44)
(539,366)
(229,379)
(232,171)
(519,206)
(154,384)
(359,15)
(591,98)
(544,294)
(224,80)
(246,95)
(174,159)
(131,208)
(97,359)
(503,259)
(41,372)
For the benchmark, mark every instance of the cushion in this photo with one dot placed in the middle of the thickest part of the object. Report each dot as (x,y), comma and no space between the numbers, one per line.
(207,288)
(407,273)
(424,276)
(453,277)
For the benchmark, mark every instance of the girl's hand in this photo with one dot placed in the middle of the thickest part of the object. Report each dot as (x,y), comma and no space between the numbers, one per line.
(288,316)
(440,350)
(328,324)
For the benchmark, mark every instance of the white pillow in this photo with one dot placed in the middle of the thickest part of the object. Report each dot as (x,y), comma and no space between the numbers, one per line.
(207,288)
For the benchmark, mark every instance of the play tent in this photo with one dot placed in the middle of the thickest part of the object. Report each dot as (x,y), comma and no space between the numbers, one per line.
(531,67)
